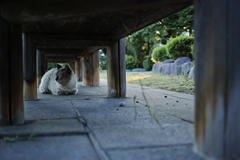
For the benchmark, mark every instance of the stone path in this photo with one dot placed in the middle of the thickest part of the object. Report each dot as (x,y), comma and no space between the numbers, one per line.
(70,127)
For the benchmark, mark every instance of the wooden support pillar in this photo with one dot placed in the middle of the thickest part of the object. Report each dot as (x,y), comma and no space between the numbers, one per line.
(11,74)
(217,104)
(71,64)
(45,64)
(40,67)
(29,68)
(90,69)
(81,70)
(116,69)
(77,68)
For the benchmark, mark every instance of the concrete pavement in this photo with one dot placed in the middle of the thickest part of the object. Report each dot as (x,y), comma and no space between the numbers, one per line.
(70,127)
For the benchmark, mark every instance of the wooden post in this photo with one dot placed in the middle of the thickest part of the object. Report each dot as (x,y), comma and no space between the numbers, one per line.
(29,68)
(11,74)
(71,64)
(217,111)
(45,64)
(40,67)
(81,70)
(116,69)
(90,68)
(95,79)
(77,68)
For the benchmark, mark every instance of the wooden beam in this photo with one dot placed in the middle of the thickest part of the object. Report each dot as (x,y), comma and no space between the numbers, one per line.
(217,82)
(61,51)
(11,74)
(69,36)
(116,69)
(29,68)
(65,59)
(70,42)
(23,11)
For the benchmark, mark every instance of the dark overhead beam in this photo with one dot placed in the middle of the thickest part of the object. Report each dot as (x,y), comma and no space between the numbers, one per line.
(62,42)
(26,11)
(62,51)
(69,36)
(55,59)
(60,47)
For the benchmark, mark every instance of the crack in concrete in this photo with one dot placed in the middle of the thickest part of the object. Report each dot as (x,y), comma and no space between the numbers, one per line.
(79,116)
(146,147)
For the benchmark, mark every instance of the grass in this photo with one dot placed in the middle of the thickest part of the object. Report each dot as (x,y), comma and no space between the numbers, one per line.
(176,83)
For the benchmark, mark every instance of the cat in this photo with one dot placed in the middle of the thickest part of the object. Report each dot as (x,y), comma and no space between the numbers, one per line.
(59,81)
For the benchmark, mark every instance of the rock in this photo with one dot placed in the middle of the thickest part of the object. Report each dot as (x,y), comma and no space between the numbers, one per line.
(168,61)
(87,98)
(156,66)
(166,68)
(138,70)
(177,65)
(186,68)
(121,104)
(192,73)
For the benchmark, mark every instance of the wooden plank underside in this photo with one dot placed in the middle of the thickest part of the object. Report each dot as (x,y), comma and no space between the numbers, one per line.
(24,11)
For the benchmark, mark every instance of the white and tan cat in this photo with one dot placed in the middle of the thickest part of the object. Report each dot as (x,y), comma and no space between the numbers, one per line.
(59,81)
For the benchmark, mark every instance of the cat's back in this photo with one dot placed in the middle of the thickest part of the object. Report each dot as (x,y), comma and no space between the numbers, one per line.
(46,80)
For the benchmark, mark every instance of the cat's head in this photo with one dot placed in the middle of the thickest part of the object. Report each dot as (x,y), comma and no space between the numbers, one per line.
(63,75)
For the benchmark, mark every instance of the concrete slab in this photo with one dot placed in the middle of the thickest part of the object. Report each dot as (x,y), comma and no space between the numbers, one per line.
(114,126)
(73,147)
(44,127)
(182,152)
(49,109)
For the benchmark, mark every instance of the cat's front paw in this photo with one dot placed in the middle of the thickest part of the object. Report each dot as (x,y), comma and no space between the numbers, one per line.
(62,93)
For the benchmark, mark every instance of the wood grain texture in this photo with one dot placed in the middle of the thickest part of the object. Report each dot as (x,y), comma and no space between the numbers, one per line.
(16,75)
(233,88)
(29,68)
(4,73)
(87,68)
(95,66)
(217,110)
(30,90)
(25,11)
(116,69)
(77,68)
(40,67)
(122,67)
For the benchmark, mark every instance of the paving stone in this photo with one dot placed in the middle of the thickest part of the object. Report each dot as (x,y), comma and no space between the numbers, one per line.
(73,147)
(60,126)
(115,126)
(49,109)
(183,152)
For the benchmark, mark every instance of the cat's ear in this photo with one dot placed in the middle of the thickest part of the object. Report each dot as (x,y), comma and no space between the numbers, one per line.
(68,69)
(59,66)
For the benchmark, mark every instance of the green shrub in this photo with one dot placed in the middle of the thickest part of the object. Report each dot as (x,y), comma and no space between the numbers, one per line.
(160,53)
(103,64)
(51,65)
(148,63)
(131,62)
(180,46)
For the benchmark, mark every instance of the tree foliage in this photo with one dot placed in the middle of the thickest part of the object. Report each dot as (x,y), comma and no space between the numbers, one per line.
(142,41)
